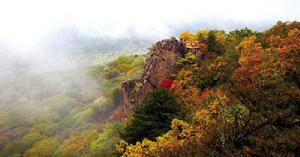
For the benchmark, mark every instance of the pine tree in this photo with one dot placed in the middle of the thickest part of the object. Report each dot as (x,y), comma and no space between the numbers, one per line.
(153,117)
(211,42)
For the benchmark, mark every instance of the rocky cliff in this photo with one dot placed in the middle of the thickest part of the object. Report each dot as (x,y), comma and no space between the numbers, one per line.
(160,64)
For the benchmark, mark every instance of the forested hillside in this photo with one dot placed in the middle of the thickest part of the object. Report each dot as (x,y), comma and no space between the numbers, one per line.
(209,93)
(67,113)
(235,94)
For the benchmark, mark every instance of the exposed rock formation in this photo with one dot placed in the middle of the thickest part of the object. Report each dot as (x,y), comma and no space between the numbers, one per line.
(159,65)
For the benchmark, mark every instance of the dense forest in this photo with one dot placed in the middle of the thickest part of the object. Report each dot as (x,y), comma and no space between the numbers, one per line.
(237,94)
(64,114)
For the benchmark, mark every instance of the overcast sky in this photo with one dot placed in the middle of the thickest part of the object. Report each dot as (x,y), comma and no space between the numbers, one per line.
(27,21)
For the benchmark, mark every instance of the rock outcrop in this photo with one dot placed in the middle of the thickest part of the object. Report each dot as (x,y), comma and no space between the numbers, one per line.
(159,65)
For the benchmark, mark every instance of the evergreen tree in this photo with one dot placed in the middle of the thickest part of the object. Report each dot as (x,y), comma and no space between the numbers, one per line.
(153,117)
(211,42)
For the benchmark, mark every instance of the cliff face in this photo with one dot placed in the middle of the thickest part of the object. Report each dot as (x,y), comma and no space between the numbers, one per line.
(159,65)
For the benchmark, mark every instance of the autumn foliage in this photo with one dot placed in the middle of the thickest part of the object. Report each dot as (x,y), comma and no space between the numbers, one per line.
(243,100)
(166,84)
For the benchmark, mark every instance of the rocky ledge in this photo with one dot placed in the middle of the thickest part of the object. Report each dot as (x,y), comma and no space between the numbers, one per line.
(160,64)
